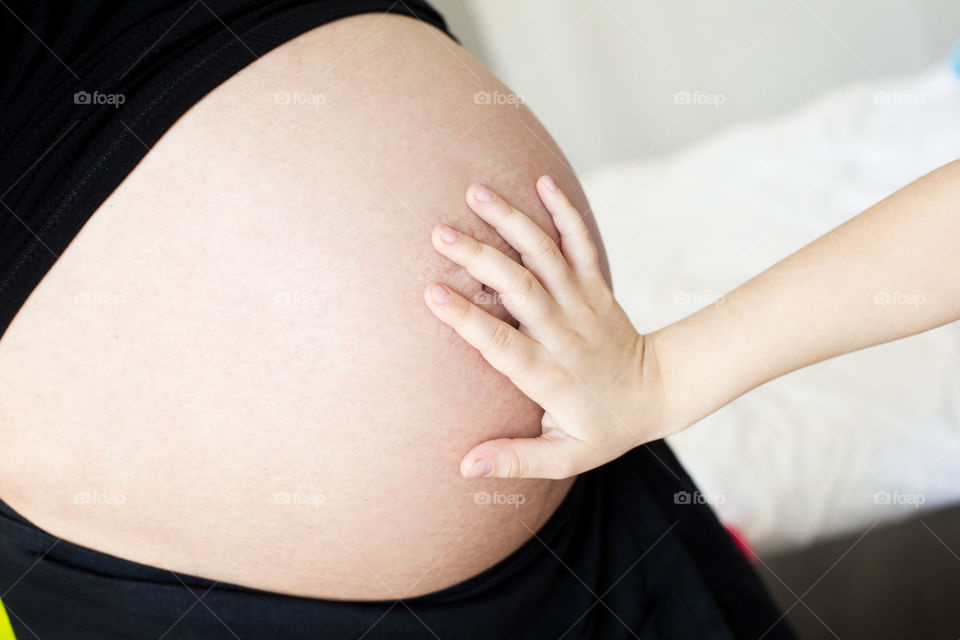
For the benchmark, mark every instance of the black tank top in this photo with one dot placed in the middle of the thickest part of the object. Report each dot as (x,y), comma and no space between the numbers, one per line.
(89,86)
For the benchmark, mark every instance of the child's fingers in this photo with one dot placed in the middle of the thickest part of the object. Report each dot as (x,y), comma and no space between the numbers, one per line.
(519,291)
(540,253)
(578,246)
(506,349)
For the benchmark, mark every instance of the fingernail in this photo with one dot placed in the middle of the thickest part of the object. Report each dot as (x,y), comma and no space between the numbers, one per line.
(549,183)
(447,234)
(480,468)
(440,294)
(482,194)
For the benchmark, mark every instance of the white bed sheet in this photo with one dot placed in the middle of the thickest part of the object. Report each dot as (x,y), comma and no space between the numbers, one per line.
(869,437)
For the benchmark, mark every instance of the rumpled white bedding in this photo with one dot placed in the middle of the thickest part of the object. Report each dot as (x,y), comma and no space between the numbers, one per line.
(872,436)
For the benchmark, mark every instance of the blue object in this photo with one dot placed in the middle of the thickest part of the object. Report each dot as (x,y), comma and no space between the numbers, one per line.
(955,62)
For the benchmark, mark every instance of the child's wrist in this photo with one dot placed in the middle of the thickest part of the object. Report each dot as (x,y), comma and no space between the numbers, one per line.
(655,411)
(679,378)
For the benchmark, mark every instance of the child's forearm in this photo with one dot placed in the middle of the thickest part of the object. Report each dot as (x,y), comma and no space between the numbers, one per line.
(890,272)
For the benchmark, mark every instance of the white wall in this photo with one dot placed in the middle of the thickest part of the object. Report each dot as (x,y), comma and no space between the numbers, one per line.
(602,74)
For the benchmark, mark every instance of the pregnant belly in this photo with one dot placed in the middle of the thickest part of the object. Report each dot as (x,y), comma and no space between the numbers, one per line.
(230,372)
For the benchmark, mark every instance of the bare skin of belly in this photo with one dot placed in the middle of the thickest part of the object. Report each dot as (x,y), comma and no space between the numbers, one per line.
(230,372)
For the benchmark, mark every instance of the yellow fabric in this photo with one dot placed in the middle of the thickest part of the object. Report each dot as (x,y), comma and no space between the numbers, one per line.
(6,633)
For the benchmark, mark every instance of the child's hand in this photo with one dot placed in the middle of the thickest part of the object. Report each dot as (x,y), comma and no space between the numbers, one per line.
(576,353)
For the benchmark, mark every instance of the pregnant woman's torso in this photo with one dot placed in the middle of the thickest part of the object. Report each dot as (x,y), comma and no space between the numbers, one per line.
(230,372)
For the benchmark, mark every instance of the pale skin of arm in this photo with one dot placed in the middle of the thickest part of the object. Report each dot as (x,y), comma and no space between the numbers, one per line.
(606,388)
